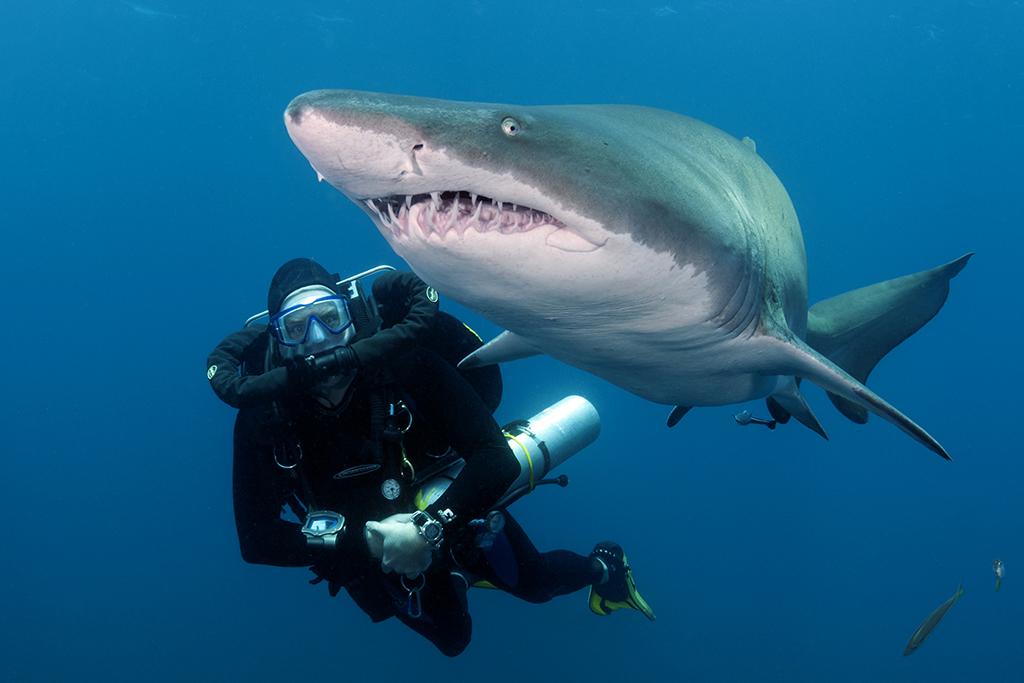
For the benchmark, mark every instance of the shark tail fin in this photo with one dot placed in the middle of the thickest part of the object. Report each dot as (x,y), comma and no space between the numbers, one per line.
(857,329)
(792,356)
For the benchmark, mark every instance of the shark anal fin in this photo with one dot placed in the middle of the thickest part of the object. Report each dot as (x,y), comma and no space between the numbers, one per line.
(676,415)
(507,346)
(793,403)
(855,330)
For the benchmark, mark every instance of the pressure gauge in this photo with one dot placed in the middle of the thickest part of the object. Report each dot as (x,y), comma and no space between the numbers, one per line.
(391,489)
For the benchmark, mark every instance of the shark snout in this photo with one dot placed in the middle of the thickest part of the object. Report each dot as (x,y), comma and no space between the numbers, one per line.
(301,115)
(357,149)
(296,111)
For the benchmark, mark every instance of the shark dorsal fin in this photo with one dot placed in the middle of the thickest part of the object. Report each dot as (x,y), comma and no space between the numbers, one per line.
(857,329)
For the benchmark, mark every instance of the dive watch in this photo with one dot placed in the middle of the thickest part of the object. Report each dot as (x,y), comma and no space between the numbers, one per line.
(430,529)
(323,528)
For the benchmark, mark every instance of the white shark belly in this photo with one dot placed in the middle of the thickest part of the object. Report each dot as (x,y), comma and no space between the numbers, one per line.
(646,325)
(716,372)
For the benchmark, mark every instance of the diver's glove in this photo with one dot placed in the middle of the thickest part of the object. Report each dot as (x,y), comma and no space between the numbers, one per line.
(307,371)
(397,542)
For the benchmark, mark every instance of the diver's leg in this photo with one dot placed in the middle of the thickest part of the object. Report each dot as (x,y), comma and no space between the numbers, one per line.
(537,576)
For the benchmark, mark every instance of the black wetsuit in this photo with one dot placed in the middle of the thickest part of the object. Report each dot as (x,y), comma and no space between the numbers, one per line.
(446,412)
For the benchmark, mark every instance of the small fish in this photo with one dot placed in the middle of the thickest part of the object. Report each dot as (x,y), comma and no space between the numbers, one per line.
(744,418)
(997,567)
(929,624)
(148,12)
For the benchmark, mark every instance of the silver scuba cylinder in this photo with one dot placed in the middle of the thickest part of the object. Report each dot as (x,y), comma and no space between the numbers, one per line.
(540,444)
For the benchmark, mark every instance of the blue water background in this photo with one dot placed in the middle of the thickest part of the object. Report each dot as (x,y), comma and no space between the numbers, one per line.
(148,190)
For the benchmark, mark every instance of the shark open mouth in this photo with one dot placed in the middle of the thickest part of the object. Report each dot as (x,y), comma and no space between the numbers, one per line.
(445,213)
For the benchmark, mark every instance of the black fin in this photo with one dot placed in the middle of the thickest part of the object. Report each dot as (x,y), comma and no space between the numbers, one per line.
(778,413)
(676,415)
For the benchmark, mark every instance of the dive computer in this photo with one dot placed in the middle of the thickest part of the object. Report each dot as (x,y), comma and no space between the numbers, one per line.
(323,527)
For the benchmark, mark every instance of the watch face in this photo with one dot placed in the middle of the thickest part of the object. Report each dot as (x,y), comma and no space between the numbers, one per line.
(431,531)
(323,523)
(390,489)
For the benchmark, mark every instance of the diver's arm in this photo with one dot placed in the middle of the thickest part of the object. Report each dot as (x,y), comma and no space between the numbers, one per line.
(447,400)
(231,386)
(259,493)
(260,490)
(408,310)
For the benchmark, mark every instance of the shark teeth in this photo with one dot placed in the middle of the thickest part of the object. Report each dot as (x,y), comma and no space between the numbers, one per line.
(442,213)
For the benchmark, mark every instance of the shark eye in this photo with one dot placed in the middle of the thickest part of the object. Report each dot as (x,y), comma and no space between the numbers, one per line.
(510,126)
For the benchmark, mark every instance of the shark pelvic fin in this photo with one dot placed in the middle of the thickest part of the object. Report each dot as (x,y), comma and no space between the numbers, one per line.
(676,415)
(857,329)
(778,413)
(793,357)
(503,348)
(792,402)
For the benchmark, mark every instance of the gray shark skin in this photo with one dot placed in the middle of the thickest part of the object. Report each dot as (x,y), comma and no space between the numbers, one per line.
(645,247)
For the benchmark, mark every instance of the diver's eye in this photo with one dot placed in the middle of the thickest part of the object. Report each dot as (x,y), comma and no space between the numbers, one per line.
(510,126)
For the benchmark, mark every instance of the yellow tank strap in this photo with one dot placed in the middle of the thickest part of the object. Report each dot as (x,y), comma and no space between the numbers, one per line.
(529,460)
(473,332)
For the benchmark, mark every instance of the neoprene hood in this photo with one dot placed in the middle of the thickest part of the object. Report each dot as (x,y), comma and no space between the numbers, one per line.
(295,274)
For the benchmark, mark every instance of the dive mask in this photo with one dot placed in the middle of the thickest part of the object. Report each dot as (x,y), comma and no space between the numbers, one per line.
(318,323)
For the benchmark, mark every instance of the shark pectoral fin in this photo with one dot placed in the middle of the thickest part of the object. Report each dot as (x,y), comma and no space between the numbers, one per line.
(676,415)
(793,404)
(794,357)
(503,348)
(855,330)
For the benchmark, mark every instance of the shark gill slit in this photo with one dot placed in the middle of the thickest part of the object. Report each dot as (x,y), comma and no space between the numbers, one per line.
(740,312)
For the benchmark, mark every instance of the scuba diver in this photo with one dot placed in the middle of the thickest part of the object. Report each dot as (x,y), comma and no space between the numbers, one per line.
(348,403)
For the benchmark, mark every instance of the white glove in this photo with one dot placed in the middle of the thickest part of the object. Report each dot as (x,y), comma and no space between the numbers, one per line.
(399,545)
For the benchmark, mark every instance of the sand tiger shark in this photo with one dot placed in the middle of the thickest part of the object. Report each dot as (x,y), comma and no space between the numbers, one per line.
(648,248)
